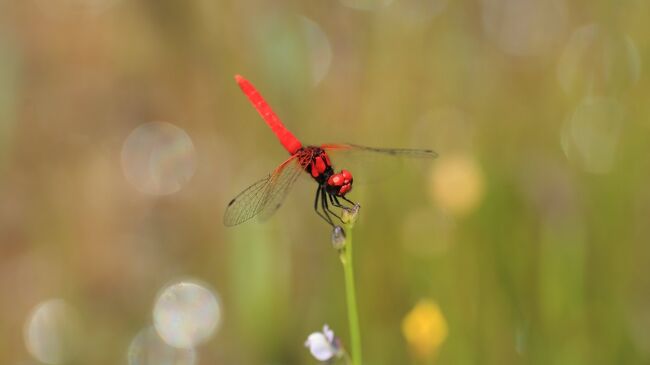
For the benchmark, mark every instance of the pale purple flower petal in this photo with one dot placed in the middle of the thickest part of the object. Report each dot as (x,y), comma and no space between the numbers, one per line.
(323,345)
(319,347)
(328,333)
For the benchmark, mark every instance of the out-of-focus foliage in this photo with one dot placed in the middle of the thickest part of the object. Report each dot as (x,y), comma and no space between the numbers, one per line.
(123,135)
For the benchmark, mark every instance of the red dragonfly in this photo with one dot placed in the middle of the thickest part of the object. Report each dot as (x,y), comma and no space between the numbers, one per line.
(266,196)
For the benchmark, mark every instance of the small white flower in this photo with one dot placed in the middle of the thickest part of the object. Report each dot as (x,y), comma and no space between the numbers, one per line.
(323,345)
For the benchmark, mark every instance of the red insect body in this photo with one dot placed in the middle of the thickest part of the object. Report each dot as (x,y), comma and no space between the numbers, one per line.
(319,165)
(266,195)
(288,140)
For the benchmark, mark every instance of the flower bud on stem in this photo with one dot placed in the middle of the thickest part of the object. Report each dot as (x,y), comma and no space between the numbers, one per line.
(338,238)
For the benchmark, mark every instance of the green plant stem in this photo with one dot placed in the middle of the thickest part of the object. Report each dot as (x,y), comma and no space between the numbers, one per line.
(351,298)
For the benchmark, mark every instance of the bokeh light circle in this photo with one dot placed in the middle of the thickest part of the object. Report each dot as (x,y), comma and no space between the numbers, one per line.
(598,61)
(50,331)
(186,314)
(457,184)
(158,158)
(319,49)
(294,49)
(590,137)
(524,27)
(147,348)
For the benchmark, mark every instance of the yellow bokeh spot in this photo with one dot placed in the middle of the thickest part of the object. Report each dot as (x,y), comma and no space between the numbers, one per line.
(457,184)
(425,328)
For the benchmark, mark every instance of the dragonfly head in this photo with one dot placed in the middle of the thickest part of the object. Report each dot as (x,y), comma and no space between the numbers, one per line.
(340,183)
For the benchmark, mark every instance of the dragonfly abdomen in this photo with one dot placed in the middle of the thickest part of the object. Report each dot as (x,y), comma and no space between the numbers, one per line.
(288,140)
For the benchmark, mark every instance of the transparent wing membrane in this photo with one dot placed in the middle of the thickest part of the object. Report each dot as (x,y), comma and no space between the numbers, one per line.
(265,196)
(280,192)
(405,152)
(373,164)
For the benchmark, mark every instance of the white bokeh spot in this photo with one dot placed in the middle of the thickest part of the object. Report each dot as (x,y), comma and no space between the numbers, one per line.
(50,330)
(590,137)
(186,314)
(158,158)
(294,48)
(595,60)
(147,348)
(319,50)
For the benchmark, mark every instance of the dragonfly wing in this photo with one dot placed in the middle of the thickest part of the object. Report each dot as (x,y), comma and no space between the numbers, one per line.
(405,152)
(265,196)
(372,164)
(281,190)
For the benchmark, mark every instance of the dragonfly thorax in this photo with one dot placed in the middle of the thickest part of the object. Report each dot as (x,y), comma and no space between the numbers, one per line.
(318,163)
(320,168)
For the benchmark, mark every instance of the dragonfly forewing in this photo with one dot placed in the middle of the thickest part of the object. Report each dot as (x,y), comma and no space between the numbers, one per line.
(373,164)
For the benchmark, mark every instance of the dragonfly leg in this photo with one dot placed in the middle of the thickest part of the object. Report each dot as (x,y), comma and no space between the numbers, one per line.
(335,202)
(349,201)
(326,208)
(324,216)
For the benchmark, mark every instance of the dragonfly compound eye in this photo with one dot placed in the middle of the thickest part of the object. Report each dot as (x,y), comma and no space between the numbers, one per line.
(347,176)
(341,182)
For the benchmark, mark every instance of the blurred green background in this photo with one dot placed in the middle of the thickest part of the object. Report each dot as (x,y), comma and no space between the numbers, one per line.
(530,231)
